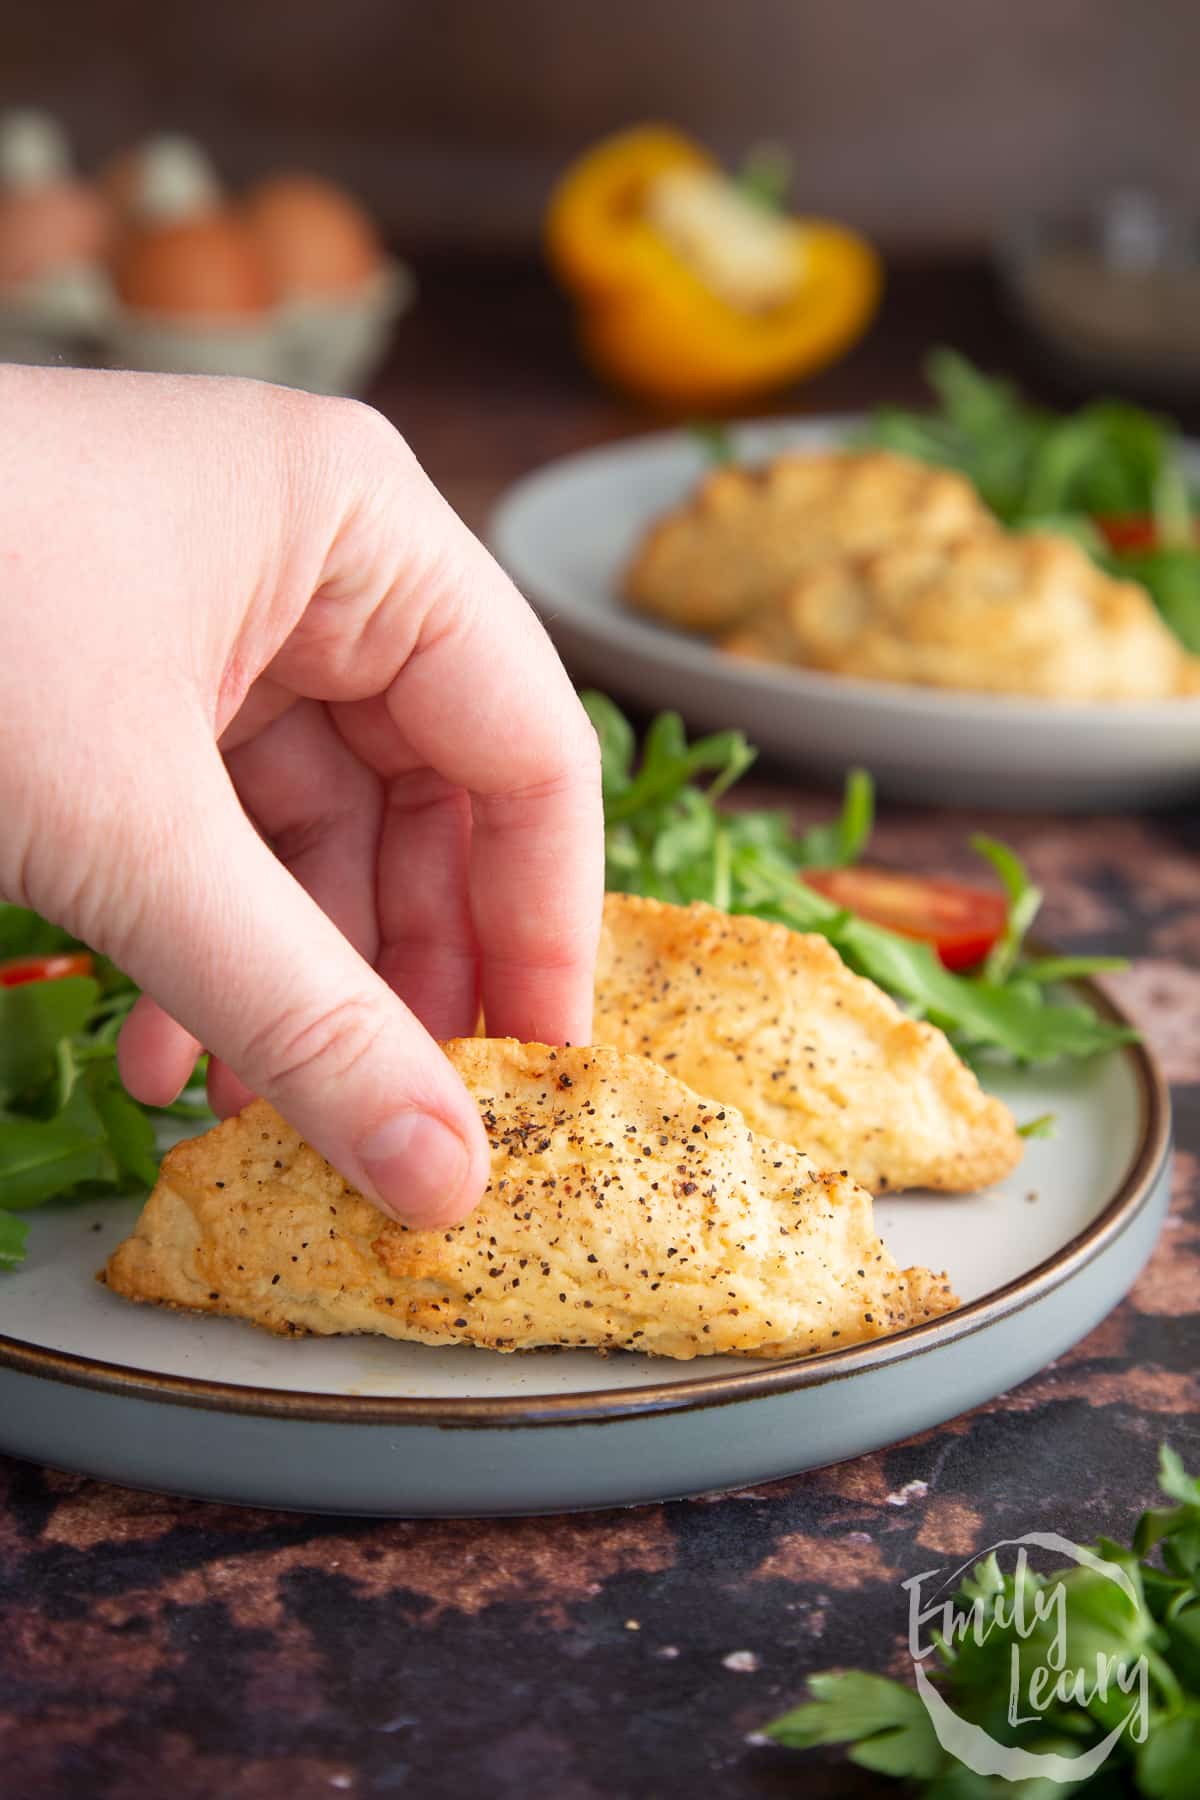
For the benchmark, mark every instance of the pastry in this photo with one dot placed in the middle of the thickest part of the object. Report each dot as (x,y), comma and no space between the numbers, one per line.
(622,1211)
(772,1021)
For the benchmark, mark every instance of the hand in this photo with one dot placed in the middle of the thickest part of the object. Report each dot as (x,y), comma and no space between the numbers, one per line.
(278,736)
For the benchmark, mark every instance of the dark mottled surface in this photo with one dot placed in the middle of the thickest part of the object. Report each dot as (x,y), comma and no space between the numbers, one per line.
(153,1647)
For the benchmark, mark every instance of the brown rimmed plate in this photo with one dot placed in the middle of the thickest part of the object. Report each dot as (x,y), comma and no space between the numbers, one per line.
(214,1408)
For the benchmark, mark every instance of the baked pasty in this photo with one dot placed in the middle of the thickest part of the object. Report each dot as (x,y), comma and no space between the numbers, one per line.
(623,1211)
(992,611)
(745,535)
(772,1021)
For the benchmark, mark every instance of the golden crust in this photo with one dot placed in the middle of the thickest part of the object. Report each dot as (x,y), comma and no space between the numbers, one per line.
(622,1211)
(992,612)
(773,1022)
(735,546)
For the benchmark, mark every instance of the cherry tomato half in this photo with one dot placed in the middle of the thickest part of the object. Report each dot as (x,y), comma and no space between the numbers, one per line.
(20,969)
(962,923)
(1127,533)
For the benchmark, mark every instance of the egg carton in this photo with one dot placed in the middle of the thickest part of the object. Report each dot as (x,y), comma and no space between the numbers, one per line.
(326,346)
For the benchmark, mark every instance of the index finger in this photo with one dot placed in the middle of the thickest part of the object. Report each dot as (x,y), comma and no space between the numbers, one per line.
(471,687)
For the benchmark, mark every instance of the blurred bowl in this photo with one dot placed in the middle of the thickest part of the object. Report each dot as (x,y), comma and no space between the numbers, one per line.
(1114,293)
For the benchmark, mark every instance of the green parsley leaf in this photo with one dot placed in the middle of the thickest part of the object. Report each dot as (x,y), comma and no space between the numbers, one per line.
(1168,1760)
(13,1232)
(1173,1479)
(1087,1621)
(885,1721)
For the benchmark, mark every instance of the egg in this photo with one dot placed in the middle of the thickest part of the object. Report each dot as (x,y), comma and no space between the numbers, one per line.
(47,229)
(49,220)
(209,266)
(318,243)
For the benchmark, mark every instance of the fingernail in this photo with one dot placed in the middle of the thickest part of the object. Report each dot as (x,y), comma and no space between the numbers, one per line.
(416,1165)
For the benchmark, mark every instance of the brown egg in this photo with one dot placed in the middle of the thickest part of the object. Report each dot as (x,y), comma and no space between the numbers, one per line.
(49,220)
(209,265)
(55,225)
(318,242)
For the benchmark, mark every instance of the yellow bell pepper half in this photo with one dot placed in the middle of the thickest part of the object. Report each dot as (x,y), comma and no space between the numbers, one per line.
(691,295)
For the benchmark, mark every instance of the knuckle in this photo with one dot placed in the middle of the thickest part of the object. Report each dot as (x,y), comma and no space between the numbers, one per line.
(584,752)
(106,901)
(571,776)
(361,434)
(298,1044)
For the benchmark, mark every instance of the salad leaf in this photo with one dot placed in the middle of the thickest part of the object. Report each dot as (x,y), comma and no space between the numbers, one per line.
(1171,506)
(618,743)
(25,933)
(1068,968)
(843,842)
(13,1233)
(34,1019)
(666,837)
(126,1126)
(67,1126)
(1024,902)
(1156,1624)
(43,1158)
(1026,461)
(1172,577)
(975,1011)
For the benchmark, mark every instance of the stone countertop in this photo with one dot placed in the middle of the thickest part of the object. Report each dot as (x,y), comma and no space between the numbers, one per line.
(158,1647)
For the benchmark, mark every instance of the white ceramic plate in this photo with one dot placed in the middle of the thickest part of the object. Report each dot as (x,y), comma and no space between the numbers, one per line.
(215,1408)
(566,533)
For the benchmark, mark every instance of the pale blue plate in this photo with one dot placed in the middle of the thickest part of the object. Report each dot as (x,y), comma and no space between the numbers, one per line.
(214,1408)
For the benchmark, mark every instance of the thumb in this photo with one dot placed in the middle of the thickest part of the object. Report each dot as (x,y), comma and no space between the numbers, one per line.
(235,950)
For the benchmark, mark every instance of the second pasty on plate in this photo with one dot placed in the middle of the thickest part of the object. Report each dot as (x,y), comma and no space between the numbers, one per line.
(773,1022)
(989,612)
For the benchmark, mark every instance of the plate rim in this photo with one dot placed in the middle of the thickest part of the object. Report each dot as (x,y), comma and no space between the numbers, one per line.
(666,645)
(611,1405)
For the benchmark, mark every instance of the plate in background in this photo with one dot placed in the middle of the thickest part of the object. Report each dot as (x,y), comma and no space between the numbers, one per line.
(565,534)
(215,1408)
